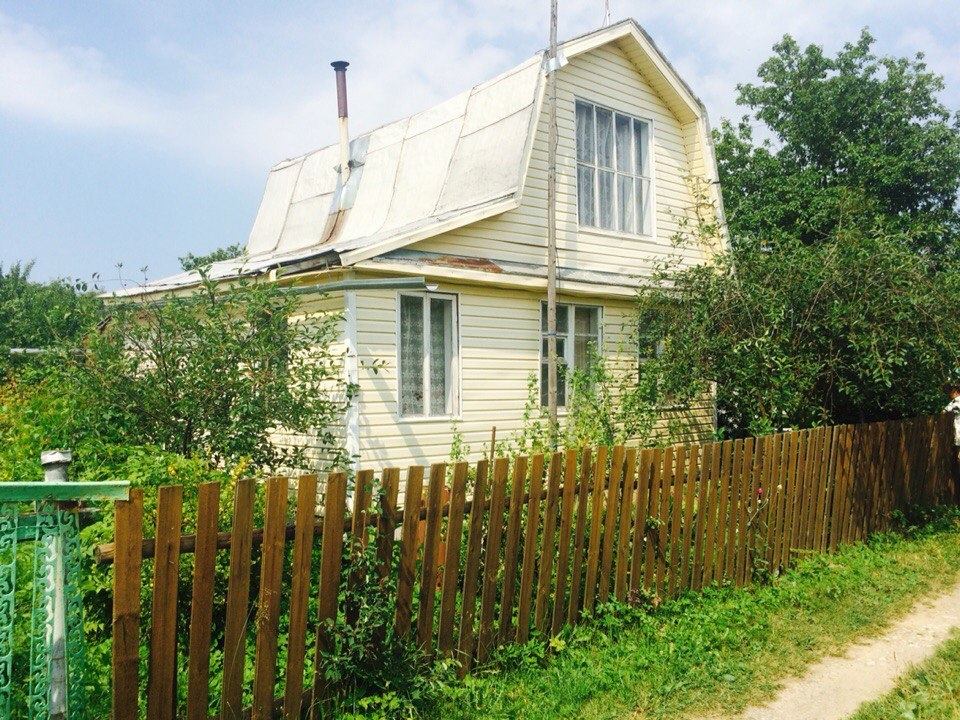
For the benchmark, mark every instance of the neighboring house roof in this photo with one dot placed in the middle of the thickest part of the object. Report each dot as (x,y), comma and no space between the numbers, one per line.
(457,163)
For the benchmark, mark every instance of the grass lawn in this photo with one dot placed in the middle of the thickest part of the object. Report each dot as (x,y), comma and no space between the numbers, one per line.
(930,691)
(717,652)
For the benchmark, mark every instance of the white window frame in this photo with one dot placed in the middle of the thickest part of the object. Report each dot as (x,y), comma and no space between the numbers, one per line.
(568,357)
(643,177)
(452,364)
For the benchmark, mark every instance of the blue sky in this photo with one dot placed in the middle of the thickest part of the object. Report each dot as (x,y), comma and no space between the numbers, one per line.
(135,133)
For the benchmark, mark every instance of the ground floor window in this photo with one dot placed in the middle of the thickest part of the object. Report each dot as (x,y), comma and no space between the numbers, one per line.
(578,329)
(429,355)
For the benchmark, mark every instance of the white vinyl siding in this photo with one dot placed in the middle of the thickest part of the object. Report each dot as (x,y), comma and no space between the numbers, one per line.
(428,355)
(578,330)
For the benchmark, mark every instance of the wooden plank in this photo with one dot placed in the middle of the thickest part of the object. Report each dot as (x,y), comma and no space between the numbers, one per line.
(431,559)
(511,550)
(409,548)
(651,533)
(640,506)
(733,512)
(491,561)
(201,604)
(548,543)
(268,607)
(451,561)
(387,520)
(328,594)
(799,486)
(471,571)
(836,488)
(596,528)
(819,489)
(826,480)
(238,602)
(610,522)
(756,505)
(700,532)
(712,470)
(792,516)
(560,603)
(689,500)
(744,482)
(579,537)
(781,463)
(814,458)
(676,517)
(162,680)
(763,497)
(128,530)
(723,509)
(299,596)
(663,518)
(623,534)
(531,532)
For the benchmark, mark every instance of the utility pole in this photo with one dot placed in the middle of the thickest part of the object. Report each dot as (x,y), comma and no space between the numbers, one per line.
(552,222)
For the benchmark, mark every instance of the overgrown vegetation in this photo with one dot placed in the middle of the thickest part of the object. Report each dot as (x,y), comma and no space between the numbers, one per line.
(717,651)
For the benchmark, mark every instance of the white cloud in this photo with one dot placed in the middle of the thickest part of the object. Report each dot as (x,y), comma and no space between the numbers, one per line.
(259,88)
(69,86)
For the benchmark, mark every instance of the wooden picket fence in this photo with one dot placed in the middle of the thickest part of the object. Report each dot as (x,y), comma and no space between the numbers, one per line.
(494,553)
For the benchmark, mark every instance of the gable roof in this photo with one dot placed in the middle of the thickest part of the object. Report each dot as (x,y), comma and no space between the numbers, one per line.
(459,162)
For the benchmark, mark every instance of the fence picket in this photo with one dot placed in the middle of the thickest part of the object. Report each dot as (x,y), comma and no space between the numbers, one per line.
(491,560)
(511,550)
(614,481)
(328,596)
(623,534)
(596,528)
(128,524)
(471,573)
(268,612)
(689,499)
(531,532)
(431,551)
(548,542)
(238,599)
(560,602)
(579,537)
(451,561)
(299,596)
(409,547)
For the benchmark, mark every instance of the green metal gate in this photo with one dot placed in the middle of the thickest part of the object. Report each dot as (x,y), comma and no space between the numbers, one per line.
(45,517)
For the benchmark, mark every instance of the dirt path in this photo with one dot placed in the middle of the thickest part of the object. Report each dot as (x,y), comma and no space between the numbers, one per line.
(835,687)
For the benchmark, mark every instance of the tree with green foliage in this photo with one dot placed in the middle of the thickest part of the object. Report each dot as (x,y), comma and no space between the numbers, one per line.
(211,375)
(858,327)
(39,315)
(196,262)
(853,139)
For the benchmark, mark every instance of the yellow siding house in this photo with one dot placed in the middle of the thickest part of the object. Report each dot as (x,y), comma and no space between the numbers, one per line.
(435,246)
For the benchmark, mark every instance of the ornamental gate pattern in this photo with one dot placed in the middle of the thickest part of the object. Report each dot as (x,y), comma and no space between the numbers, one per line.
(42,519)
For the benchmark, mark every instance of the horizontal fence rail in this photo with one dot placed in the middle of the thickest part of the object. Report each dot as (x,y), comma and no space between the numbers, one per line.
(497,552)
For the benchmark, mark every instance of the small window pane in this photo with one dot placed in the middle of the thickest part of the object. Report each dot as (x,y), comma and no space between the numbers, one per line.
(411,355)
(585,133)
(587,322)
(586,196)
(625,204)
(606,199)
(643,212)
(563,320)
(641,133)
(441,333)
(624,145)
(604,138)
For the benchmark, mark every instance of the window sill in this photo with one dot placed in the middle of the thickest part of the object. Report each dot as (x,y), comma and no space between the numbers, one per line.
(419,419)
(602,232)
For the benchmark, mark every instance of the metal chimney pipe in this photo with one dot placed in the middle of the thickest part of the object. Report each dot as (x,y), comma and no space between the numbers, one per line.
(340,69)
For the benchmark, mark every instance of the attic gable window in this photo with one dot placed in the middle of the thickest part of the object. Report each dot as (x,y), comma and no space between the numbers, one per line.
(613,170)
(429,355)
